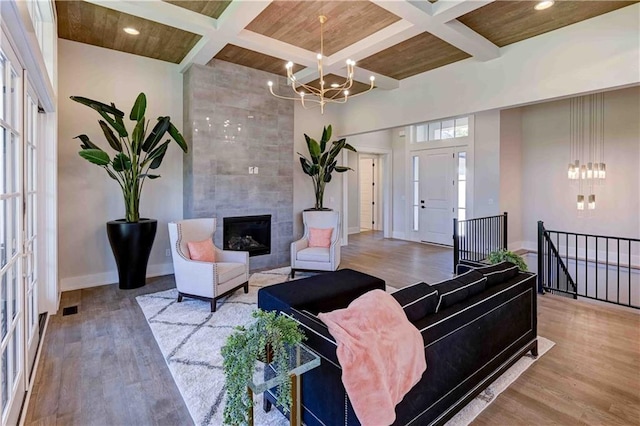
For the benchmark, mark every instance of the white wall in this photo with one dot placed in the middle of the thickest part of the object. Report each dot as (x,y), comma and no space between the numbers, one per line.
(596,54)
(312,122)
(87,197)
(401,173)
(486,164)
(547,194)
(511,173)
(353,222)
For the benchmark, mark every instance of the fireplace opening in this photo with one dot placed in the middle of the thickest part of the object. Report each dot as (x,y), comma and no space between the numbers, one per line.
(248,233)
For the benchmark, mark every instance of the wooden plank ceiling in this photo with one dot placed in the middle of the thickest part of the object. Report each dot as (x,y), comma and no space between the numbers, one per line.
(421,53)
(296,23)
(210,8)
(329,79)
(249,58)
(506,22)
(87,23)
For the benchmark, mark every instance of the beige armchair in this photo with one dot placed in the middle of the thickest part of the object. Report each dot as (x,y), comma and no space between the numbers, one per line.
(305,258)
(203,280)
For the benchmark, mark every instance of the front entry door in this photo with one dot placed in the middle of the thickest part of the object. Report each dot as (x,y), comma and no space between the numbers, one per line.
(437,184)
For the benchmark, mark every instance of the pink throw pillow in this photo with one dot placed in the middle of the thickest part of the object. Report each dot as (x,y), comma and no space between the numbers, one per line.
(204,251)
(320,237)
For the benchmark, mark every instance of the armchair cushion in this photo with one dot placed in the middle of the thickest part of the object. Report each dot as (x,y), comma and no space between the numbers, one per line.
(314,254)
(203,251)
(227,271)
(320,237)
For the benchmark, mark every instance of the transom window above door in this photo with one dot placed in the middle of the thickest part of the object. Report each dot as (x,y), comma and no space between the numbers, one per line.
(440,130)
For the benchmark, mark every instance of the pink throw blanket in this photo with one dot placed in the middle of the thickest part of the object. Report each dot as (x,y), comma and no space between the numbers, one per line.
(381,354)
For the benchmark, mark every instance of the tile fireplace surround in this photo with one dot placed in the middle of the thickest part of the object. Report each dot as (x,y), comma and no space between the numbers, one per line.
(233,123)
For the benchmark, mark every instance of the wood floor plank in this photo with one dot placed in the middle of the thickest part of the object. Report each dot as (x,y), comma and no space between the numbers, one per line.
(103,366)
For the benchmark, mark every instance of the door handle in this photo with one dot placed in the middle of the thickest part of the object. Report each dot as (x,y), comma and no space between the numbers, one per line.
(423,207)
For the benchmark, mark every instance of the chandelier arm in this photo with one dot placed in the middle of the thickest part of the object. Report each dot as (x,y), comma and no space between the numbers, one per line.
(286,97)
(311,89)
(363,92)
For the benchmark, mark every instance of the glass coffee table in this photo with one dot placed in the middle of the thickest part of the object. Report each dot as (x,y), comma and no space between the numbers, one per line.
(302,359)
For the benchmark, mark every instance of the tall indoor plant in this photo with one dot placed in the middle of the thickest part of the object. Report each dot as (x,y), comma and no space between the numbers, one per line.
(323,162)
(136,155)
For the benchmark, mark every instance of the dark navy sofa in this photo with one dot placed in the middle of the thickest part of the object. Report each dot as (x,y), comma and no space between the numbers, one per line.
(467,344)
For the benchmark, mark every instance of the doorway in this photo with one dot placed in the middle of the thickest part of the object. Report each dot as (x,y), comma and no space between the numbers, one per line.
(368,187)
(439,192)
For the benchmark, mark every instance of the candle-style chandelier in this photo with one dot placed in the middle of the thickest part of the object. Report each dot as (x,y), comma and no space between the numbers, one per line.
(586,145)
(310,96)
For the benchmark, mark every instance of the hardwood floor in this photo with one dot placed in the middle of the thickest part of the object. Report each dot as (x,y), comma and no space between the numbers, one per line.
(103,367)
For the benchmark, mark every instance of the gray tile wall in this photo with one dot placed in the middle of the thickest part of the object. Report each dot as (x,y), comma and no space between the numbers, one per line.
(232,123)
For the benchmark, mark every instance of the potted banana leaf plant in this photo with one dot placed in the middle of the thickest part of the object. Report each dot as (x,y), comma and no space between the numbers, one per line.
(137,156)
(321,162)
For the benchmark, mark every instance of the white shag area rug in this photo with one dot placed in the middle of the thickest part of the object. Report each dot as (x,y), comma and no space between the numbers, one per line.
(191,337)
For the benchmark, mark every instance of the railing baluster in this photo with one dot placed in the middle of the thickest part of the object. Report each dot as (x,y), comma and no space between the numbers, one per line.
(629,272)
(606,277)
(576,261)
(618,300)
(596,267)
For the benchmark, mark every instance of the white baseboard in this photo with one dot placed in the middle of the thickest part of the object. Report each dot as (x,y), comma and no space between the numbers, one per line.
(354,230)
(516,245)
(111,277)
(399,235)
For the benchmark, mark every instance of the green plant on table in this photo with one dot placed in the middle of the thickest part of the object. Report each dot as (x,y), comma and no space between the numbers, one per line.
(136,153)
(323,162)
(270,332)
(509,256)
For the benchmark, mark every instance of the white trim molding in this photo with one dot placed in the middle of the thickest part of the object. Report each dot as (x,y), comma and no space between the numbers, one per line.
(111,277)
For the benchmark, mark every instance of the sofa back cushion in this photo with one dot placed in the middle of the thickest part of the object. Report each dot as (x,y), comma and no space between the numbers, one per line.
(498,273)
(459,288)
(417,300)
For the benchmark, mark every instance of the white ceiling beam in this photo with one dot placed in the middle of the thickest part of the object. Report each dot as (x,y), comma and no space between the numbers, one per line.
(163,13)
(380,40)
(419,14)
(447,10)
(235,17)
(272,47)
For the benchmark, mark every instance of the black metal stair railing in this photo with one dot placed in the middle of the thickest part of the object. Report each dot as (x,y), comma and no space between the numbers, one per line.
(591,266)
(474,239)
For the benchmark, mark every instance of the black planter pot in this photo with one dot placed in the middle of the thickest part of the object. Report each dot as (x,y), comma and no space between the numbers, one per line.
(131,244)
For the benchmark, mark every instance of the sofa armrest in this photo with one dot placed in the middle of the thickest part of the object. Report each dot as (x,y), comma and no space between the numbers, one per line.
(232,256)
(320,293)
(318,337)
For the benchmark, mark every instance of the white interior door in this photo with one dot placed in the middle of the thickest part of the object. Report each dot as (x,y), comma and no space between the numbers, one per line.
(437,184)
(12,344)
(366,169)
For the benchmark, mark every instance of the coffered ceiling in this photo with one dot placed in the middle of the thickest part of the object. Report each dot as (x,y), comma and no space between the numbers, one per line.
(390,39)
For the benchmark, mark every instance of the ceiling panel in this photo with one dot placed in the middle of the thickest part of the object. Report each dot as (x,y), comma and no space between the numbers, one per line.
(210,8)
(296,23)
(506,22)
(421,53)
(87,23)
(329,79)
(249,58)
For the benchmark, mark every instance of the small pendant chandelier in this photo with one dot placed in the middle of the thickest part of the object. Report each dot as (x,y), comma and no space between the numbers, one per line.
(310,96)
(587,168)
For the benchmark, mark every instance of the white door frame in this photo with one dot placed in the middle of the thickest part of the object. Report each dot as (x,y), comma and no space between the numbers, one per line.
(385,165)
(466,144)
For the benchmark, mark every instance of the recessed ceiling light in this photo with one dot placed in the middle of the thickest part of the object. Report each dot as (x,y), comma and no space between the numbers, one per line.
(131,31)
(546,4)
(334,85)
